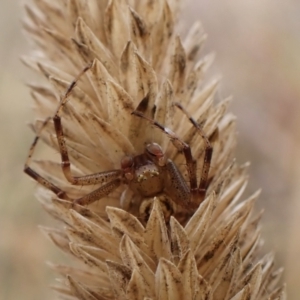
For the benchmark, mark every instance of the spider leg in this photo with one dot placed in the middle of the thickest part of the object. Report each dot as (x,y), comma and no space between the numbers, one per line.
(99,193)
(84,180)
(37,177)
(64,99)
(96,178)
(201,191)
(179,191)
(111,178)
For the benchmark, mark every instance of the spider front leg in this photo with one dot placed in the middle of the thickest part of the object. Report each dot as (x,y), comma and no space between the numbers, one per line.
(110,179)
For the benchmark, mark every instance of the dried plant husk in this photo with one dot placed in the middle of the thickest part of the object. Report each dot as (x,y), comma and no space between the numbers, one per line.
(130,247)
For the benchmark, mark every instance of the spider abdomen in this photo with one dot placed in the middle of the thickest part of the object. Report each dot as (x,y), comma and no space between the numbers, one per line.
(148,180)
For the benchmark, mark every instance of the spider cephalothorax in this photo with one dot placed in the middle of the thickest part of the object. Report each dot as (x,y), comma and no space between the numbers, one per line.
(148,174)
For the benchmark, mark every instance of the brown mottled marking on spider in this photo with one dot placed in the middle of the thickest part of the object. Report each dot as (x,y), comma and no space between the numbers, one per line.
(147,174)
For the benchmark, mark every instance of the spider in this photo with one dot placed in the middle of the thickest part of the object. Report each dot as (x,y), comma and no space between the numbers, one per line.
(148,174)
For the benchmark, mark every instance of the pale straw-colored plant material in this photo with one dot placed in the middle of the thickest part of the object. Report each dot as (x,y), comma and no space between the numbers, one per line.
(139,62)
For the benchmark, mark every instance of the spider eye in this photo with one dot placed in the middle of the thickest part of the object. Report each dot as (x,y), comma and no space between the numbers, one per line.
(155,150)
(126,162)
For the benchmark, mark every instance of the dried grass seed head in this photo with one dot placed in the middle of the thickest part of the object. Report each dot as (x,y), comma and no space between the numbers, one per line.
(139,63)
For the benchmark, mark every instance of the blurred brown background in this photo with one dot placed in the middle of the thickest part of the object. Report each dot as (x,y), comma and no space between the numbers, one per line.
(257,44)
